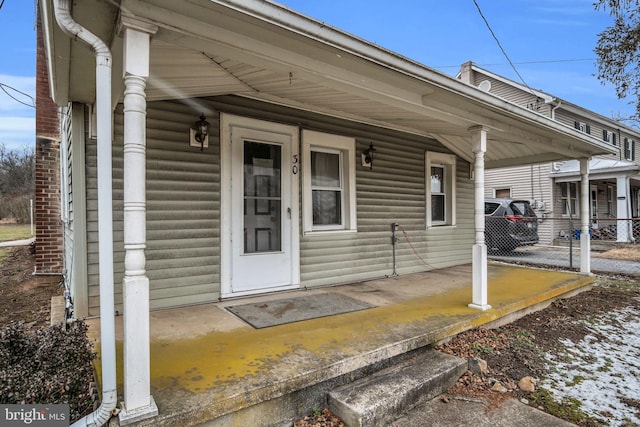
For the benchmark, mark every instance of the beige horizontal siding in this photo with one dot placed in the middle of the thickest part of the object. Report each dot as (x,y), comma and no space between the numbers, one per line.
(183,206)
(530,182)
(328,260)
(183,200)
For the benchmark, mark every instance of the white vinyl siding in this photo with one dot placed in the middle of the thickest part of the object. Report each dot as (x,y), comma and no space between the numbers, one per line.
(596,128)
(512,94)
(530,182)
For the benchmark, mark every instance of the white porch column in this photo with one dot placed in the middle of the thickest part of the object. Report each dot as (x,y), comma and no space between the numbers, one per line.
(479,254)
(138,403)
(585,219)
(623,209)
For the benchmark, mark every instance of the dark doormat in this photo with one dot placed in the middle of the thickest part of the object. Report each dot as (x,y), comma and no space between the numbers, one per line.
(278,312)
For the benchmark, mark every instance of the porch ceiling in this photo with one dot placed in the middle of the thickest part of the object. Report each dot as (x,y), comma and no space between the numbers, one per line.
(267,52)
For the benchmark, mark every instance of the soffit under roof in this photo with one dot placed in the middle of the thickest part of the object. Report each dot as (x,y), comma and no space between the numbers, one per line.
(207,48)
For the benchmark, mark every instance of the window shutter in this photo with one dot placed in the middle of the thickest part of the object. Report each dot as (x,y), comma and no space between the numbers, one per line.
(576,124)
(627,149)
(633,150)
(605,134)
(614,138)
(588,129)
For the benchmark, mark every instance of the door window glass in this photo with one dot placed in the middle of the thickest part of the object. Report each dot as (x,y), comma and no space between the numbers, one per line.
(262,197)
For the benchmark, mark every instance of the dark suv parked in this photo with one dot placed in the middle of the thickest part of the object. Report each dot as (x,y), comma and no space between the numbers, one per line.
(509,223)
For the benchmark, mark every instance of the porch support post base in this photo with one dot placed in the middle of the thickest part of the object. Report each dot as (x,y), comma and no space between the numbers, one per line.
(484,307)
(136,343)
(129,417)
(479,279)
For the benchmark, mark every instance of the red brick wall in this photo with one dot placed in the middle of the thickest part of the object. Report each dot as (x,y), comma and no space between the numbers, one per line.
(47,207)
(47,192)
(47,120)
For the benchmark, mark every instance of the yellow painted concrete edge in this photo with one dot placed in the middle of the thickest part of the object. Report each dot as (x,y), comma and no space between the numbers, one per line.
(491,318)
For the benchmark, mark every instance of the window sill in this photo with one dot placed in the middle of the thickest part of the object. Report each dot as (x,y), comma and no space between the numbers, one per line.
(441,227)
(311,233)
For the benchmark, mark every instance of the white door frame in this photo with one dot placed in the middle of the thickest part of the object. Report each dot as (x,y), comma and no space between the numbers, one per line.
(292,166)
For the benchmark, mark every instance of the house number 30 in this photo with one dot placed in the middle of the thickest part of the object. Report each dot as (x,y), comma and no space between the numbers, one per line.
(294,168)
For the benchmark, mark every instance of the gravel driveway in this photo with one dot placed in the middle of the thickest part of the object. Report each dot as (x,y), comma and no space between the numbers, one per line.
(558,256)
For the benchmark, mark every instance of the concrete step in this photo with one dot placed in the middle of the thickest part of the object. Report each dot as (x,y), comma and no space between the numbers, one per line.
(379,398)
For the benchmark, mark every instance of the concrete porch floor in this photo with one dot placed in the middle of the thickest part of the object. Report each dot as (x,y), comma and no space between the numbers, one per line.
(207,366)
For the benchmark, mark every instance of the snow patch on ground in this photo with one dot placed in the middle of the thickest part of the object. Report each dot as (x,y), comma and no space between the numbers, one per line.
(602,370)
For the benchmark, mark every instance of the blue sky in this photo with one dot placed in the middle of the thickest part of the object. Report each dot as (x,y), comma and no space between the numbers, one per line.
(17,70)
(551,43)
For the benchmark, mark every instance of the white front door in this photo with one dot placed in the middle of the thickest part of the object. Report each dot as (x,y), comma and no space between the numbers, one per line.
(262,238)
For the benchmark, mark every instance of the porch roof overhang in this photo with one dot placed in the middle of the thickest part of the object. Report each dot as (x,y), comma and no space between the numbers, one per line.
(265,51)
(599,168)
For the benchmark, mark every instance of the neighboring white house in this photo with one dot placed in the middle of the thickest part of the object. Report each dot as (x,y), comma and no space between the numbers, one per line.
(283,190)
(553,187)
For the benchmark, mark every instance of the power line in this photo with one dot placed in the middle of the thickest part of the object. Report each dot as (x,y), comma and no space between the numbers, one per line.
(549,61)
(500,45)
(4,88)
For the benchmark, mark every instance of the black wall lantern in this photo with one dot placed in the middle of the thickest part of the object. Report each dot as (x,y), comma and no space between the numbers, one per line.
(199,134)
(368,155)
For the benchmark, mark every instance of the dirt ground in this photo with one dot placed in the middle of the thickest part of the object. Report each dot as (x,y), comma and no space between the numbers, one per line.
(517,350)
(512,352)
(23,296)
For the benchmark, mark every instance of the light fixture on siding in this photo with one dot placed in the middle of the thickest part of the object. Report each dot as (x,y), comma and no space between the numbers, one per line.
(368,155)
(199,134)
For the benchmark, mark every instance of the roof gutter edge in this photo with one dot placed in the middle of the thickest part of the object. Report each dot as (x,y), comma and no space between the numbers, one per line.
(294,21)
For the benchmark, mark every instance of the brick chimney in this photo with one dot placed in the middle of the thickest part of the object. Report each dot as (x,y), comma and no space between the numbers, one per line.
(48,246)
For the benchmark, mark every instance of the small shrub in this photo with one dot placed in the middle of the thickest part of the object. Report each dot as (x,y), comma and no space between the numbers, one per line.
(47,366)
(481,349)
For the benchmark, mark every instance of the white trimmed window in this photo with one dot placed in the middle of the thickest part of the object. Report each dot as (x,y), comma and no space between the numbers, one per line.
(629,149)
(502,192)
(569,197)
(582,127)
(609,136)
(329,199)
(441,189)
(611,201)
